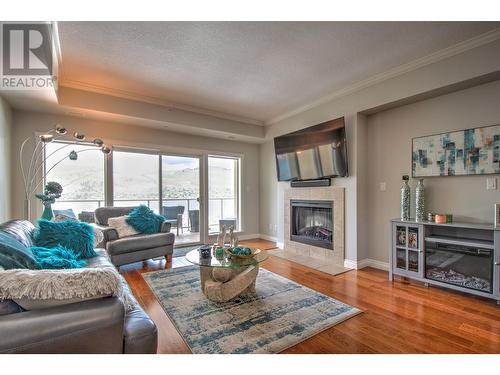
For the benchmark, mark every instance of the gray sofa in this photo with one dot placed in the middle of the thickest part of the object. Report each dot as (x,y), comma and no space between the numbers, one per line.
(135,248)
(95,326)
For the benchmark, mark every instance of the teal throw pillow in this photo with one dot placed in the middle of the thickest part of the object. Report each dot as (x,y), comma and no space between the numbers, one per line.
(58,257)
(13,254)
(76,236)
(144,220)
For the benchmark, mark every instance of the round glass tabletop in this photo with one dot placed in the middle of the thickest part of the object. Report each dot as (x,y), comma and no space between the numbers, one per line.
(225,261)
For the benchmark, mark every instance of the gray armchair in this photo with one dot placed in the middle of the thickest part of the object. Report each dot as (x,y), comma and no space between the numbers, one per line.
(135,248)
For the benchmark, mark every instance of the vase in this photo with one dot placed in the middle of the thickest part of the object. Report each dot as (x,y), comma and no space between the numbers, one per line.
(221,238)
(405,199)
(47,213)
(420,201)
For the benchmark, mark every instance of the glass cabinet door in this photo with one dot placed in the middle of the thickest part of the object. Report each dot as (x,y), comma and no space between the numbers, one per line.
(401,236)
(401,258)
(407,248)
(412,238)
(413,249)
(413,261)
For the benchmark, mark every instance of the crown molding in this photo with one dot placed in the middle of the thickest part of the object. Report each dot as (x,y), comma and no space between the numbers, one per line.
(434,57)
(153,100)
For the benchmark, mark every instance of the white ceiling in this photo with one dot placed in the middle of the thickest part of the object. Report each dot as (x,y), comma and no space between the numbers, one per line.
(253,70)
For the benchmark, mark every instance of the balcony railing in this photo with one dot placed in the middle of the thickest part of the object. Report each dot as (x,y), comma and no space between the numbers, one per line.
(79,205)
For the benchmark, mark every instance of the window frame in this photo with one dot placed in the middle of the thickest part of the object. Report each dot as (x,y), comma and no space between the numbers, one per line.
(238,182)
(203,155)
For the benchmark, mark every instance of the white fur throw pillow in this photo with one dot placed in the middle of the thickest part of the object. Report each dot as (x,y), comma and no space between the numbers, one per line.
(123,228)
(46,288)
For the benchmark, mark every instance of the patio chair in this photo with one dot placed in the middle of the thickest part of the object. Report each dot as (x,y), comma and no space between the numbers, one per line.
(173,215)
(227,223)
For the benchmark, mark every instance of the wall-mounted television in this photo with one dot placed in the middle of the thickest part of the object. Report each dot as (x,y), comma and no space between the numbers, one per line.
(317,152)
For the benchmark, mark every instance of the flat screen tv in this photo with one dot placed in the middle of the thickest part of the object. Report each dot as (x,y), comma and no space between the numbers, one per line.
(313,153)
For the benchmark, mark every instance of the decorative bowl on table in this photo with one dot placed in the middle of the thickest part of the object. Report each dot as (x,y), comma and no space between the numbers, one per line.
(242,252)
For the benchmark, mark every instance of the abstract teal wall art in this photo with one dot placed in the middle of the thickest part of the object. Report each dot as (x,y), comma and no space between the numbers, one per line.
(465,152)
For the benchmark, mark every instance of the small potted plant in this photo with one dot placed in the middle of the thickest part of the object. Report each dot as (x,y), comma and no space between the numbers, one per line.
(53,190)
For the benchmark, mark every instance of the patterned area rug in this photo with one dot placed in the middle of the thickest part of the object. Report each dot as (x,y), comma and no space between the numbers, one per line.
(281,314)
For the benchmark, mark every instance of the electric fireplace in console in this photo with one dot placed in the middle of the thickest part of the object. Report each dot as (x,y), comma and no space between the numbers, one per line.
(311,222)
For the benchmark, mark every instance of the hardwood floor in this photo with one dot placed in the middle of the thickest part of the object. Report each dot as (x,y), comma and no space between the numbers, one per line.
(399,317)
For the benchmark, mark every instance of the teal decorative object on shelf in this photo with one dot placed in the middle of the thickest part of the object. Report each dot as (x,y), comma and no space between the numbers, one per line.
(420,201)
(405,199)
(52,191)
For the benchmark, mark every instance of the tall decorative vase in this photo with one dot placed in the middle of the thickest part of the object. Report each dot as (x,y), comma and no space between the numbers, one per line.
(221,238)
(420,201)
(405,199)
(47,213)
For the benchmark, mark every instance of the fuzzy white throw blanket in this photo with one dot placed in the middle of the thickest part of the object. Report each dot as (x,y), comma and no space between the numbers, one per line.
(63,284)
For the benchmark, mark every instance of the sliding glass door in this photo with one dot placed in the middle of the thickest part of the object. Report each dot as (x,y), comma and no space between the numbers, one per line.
(181,196)
(223,193)
(196,194)
(136,179)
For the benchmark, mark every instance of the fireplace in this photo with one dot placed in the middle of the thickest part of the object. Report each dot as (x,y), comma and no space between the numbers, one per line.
(311,223)
(466,266)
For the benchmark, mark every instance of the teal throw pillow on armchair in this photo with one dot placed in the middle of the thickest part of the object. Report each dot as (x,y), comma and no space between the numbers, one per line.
(76,236)
(144,220)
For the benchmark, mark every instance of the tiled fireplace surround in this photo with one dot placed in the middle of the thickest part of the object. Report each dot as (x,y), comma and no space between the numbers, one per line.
(312,256)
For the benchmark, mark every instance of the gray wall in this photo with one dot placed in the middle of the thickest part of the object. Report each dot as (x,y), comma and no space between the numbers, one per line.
(422,81)
(5,164)
(389,153)
(272,192)
(28,123)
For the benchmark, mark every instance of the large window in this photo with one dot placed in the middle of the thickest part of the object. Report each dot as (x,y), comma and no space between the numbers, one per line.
(82,179)
(223,192)
(136,179)
(139,177)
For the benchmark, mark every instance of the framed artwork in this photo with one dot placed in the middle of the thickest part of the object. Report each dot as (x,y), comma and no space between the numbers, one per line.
(458,153)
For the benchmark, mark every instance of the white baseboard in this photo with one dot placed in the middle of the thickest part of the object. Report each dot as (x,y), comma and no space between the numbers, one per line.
(363,263)
(268,238)
(350,264)
(379,264)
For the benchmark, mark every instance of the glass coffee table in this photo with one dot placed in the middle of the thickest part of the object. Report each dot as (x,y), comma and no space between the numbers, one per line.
(225,277)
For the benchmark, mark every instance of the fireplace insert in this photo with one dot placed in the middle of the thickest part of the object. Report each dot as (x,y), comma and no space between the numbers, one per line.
(462,265)
(311,222)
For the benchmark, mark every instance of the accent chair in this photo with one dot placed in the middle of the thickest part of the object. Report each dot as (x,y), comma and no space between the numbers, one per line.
(134,248)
